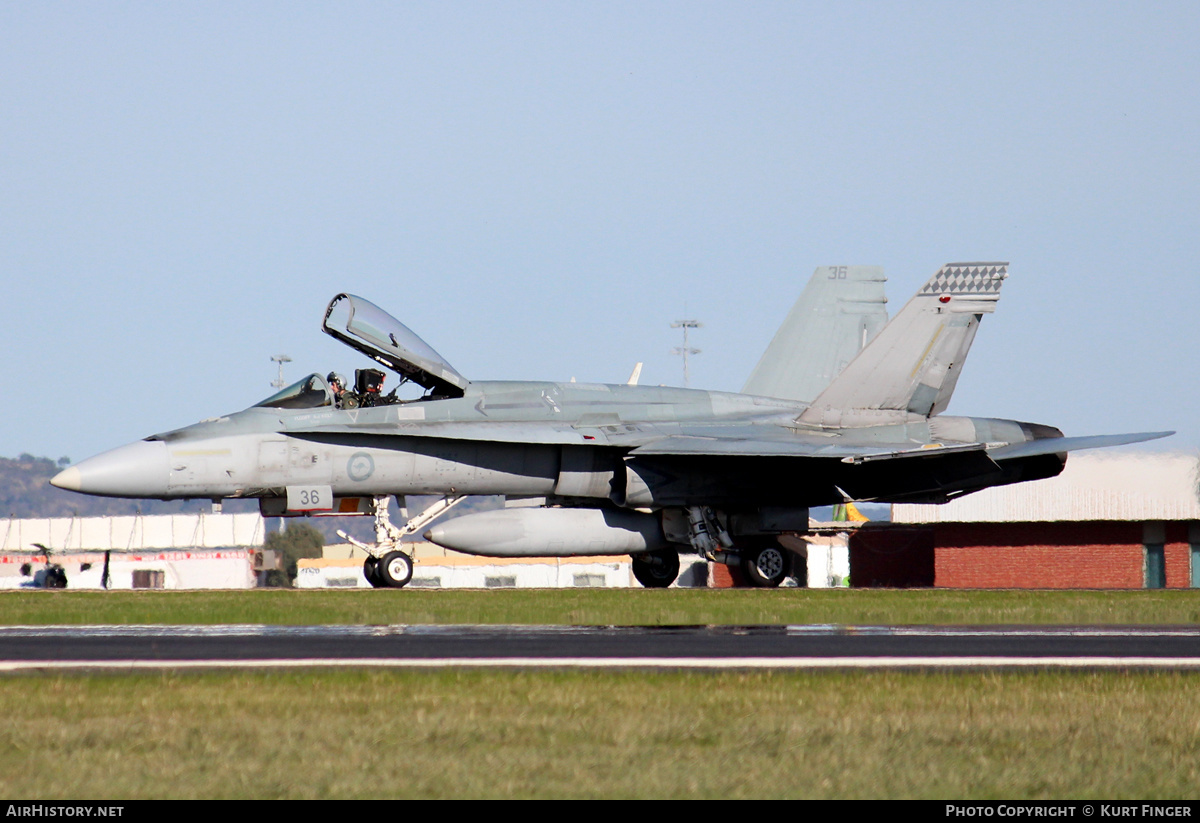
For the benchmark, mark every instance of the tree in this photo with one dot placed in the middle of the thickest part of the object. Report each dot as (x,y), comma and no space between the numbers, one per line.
(295,543)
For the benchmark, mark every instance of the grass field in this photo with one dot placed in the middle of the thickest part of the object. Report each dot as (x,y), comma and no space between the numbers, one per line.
(515,734)
(604,734)
(603,607)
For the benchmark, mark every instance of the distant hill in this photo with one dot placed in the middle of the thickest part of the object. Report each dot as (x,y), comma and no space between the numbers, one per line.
(25,491)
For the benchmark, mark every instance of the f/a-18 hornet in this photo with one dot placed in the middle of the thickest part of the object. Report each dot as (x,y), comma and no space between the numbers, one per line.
(842,406)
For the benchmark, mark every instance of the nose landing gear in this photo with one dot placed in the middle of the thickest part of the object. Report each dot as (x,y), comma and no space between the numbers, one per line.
(387,565)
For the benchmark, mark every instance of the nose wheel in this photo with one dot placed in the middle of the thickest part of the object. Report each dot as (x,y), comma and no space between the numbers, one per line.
(371,572)
(393,570)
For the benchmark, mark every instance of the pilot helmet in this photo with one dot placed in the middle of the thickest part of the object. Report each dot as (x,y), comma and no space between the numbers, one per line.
(336,381)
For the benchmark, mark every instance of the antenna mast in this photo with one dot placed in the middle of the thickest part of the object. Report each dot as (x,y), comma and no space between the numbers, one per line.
(280,359)
(685,350)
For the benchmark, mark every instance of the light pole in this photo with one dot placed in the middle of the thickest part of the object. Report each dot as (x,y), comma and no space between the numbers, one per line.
(685,350)
(280,359)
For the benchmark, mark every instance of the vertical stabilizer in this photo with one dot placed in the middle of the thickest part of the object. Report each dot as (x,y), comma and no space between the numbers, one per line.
(912,366)
(839,311)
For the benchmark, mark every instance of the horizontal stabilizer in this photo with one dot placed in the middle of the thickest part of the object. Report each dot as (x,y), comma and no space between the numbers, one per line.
(839,311)
(1058,445)
(912,366)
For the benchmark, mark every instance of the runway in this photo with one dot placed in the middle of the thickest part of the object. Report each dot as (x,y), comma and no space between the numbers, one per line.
(31,648)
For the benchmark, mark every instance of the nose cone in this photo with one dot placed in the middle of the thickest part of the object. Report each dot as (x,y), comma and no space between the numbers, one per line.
(136,470)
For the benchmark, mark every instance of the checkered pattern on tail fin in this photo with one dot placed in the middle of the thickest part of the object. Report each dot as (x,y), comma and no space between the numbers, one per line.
(967,278)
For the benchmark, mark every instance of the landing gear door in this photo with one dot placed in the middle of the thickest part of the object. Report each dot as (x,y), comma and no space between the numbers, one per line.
(364,326)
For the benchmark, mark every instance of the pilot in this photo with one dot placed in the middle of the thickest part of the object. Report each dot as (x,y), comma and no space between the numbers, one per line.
(337,384)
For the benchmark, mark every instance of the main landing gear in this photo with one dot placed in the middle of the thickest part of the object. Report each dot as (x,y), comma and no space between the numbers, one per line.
(387,564)
(656,570)
(765,564)
(763,561)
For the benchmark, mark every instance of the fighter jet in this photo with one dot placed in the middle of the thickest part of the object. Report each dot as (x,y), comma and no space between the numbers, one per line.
(841,408)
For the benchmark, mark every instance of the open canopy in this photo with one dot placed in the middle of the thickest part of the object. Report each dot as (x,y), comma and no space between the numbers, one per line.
(363,325)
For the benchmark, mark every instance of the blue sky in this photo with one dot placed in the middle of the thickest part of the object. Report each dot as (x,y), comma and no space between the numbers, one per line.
(540,189)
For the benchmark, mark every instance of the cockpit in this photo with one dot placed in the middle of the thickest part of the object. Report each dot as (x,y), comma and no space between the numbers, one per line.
(310,393)
(314,392)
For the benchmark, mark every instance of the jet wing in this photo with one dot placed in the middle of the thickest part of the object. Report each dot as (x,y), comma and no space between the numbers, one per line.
(762,444)
(681,439)
(793,447)
(643,439)
(495,432)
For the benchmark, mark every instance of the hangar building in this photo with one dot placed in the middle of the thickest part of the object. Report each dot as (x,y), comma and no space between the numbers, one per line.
(170,551)
(1110,520)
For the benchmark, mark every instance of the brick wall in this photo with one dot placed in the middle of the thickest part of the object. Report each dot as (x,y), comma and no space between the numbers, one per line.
(727,577)
(1040,555)
(1054,555)
(1178,556)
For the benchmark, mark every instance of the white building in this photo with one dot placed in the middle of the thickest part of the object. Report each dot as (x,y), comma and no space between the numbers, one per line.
(177,551)
(436,567)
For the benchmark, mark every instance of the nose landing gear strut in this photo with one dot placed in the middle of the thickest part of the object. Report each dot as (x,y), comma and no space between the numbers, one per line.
(387,564)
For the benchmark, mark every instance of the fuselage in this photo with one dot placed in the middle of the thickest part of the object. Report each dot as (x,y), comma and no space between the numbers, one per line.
(528,439)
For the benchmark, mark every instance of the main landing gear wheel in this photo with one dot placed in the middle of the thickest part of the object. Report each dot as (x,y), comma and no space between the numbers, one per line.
(371,572)
(656,570)
(765,566)
(395,569)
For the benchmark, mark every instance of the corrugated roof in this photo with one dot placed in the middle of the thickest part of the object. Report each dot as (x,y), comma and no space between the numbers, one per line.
(1093,486)
(132,533)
